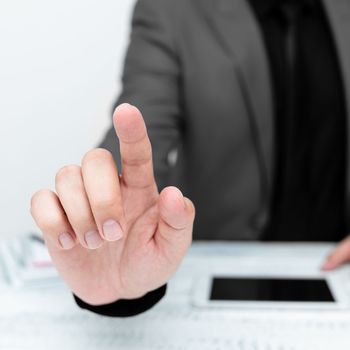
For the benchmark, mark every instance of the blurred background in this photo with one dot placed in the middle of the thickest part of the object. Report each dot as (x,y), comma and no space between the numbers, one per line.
(60,67)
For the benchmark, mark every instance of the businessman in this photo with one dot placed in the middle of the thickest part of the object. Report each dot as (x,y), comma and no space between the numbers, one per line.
(247,106)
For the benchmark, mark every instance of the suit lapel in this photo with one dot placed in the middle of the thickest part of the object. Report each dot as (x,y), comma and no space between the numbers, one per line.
(339,17)
(241,38)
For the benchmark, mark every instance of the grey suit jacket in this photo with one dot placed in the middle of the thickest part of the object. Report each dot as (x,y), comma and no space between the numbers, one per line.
(198,71)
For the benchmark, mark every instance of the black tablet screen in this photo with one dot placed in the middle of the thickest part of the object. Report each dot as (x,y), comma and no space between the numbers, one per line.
(271,289)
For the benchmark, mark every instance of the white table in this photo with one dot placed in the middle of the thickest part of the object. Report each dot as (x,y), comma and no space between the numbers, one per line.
(49,319)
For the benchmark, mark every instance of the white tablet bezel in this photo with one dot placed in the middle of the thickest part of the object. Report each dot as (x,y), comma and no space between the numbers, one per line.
(338,282)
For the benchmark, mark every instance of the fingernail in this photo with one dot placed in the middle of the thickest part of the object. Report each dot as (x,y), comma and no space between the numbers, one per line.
(66,241)
(93,239)
(112,230)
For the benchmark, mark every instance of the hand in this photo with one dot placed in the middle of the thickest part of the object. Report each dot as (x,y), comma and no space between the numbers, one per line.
(114,236)
(339,256)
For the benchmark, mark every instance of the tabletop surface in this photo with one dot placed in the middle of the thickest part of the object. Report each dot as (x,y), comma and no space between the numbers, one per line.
(41,317)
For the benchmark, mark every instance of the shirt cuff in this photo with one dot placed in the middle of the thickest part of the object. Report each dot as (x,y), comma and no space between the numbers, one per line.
(126,308)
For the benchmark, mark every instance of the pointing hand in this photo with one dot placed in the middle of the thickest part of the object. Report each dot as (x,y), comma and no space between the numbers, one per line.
(114,236)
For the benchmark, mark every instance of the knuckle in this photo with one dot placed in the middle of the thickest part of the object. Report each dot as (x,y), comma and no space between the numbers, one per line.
(50,222)
(46,216)
(101,203)
(96,154)
(67,172)
(38,198)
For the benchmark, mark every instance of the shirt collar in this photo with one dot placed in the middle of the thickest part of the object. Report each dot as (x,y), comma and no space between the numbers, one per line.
(266,7)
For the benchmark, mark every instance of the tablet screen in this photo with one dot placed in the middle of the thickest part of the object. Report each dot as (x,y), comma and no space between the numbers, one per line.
(271,289)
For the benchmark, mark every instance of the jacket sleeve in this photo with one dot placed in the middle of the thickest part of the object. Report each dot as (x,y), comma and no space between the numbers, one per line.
(125,308)
(151,80)
(151,83)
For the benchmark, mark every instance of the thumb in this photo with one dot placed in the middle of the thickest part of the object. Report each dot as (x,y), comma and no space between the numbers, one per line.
(176,218)
(339,256)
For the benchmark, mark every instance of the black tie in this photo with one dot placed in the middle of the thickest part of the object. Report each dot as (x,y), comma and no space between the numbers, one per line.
(290,12)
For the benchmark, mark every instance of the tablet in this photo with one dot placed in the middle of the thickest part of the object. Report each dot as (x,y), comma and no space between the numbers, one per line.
(325,291)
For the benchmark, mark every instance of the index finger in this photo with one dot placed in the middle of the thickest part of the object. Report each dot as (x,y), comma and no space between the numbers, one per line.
(135,147)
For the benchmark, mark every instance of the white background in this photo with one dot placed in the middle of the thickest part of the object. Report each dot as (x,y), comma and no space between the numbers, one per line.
(60,67)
